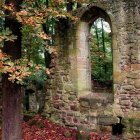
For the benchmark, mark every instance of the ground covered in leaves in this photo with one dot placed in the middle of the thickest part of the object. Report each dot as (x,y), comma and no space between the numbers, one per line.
(39,128)
(42,129)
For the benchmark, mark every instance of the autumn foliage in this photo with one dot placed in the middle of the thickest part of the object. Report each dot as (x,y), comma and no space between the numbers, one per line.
(31,16)
(42,129)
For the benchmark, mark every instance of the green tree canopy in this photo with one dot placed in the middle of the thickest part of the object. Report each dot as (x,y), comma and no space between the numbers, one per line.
(101,51)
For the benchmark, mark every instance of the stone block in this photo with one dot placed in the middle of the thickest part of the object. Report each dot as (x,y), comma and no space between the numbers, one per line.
(136,123)
(47,109)
(59,91)
(122,91)
(65,97)
(107,120)
(74,107)
(55,118)
(119,77)
(56,97)
(62,113)
(72,93)
(128,87)
(106,129)
(135,66)
(92,119)
(125,102)
(69,113)
(137,83)
(68,88)
(84,103)
(77,114)
(72,97)
(65,79)
(56,105)
(75,120)
(84,110)
(130,81)
(60,86)
(133,75)
(137,91)
(108,110)
(68,119)
(124,97)
(48,93)
(62,105)
(58,79)
(136,104)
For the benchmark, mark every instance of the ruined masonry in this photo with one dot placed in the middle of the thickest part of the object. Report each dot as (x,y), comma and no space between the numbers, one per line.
(69,99)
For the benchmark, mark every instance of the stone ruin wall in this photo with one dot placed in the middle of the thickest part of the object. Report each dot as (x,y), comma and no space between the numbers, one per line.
(63,99)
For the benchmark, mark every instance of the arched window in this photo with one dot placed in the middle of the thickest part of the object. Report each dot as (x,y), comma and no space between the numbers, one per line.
(94,52)
(101,56)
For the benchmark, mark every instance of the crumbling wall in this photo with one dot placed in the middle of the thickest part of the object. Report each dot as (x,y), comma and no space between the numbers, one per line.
(68,94)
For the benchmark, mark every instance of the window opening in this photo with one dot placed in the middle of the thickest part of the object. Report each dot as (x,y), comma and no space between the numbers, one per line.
(101,56)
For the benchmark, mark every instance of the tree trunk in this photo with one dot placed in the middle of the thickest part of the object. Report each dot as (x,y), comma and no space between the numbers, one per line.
(11,116)
(12,95)
(98,45)
(103,42)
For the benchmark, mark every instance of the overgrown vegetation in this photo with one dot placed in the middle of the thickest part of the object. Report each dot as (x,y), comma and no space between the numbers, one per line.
(101,51)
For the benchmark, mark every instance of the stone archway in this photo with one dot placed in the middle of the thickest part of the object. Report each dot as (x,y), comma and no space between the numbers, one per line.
(96,109)
(83,53)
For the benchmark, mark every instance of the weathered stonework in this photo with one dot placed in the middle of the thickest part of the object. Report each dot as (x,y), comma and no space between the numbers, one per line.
(0,100)
(69,98)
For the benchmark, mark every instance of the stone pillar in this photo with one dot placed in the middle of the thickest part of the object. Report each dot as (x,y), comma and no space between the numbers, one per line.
(83,59)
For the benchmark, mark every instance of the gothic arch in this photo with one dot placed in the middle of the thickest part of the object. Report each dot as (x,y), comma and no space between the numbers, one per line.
(87,17)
